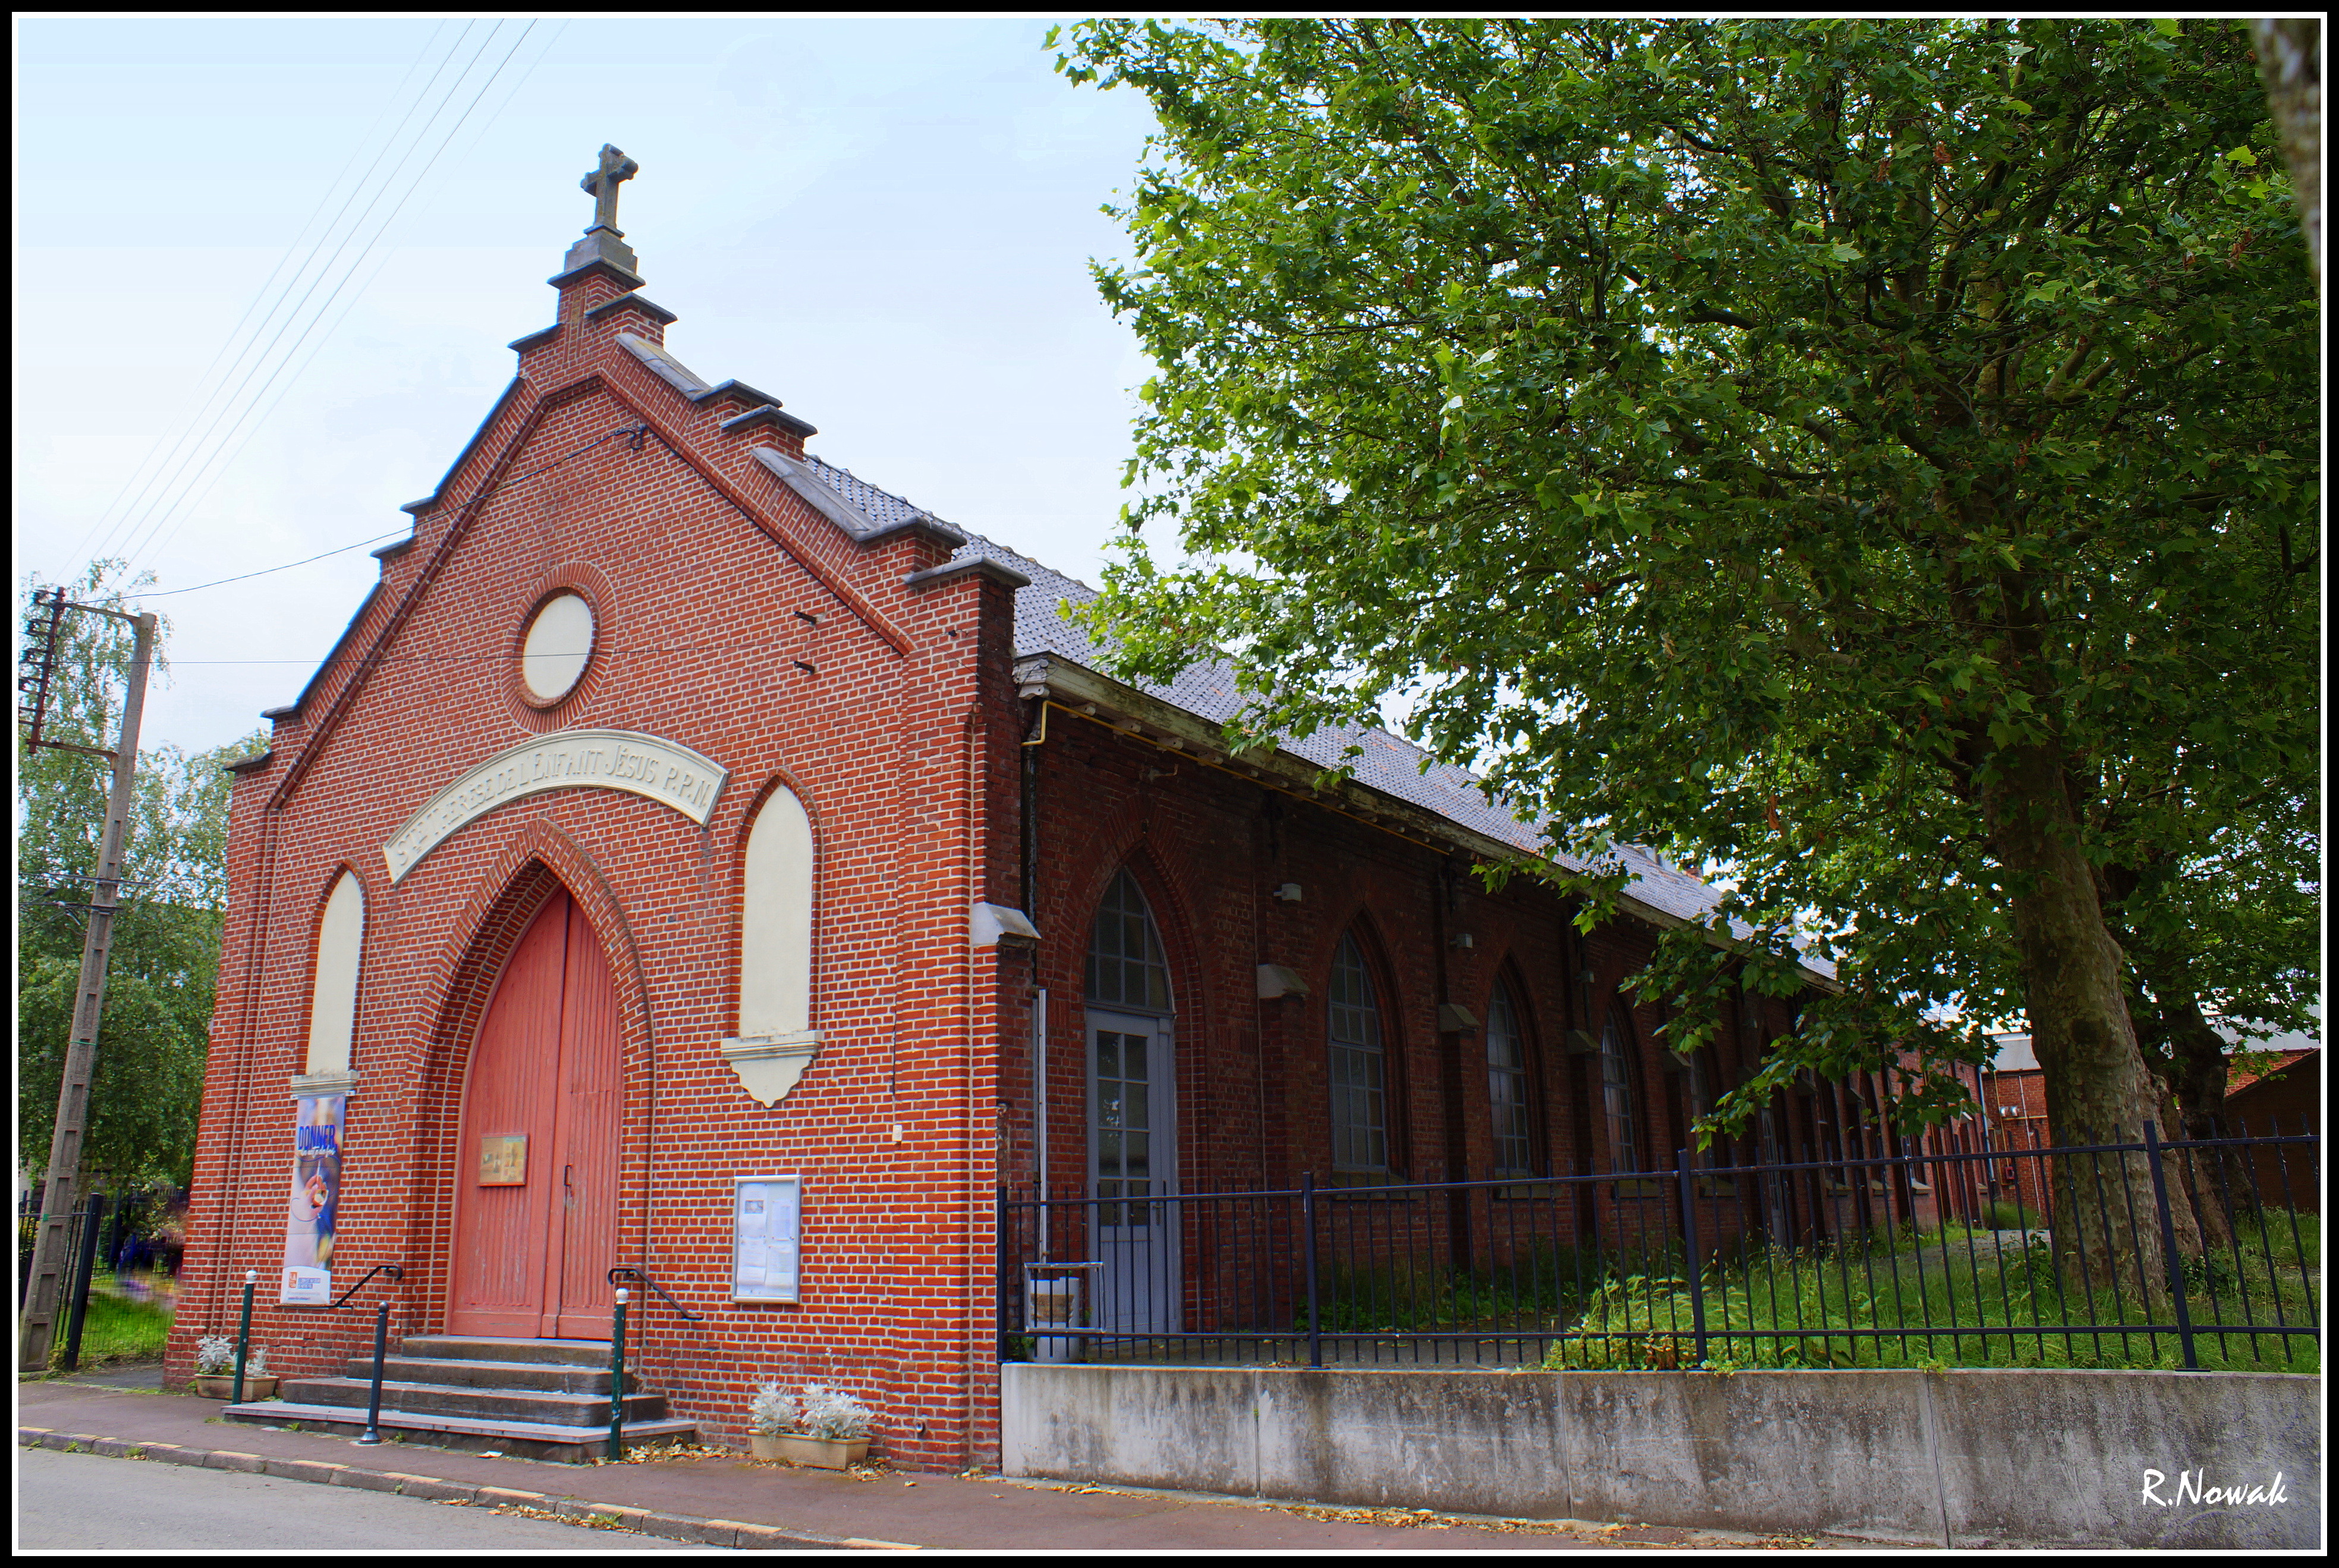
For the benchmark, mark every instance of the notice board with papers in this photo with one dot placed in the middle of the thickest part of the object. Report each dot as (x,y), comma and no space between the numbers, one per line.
(766,1234)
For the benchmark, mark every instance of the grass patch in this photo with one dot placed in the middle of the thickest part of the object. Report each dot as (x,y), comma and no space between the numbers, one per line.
(114,1328)
(1543,1291)
(1824,1308)
(1837,1305)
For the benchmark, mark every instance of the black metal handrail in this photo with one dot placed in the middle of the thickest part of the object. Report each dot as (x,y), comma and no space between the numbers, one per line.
(397,1273)
(628,1271)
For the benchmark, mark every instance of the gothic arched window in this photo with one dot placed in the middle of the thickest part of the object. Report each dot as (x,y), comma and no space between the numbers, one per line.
(1507,1093)
(1617,1098)
(1359,1090)
(1126,968)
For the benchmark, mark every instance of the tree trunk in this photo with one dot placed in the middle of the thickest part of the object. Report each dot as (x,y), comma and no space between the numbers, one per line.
(2290,64)
(2197,1058)
(2105,1221)
(2182,1051)
(2192,1067)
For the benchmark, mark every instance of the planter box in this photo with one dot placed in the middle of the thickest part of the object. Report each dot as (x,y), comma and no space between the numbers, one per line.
(824,1453)
(222,1386)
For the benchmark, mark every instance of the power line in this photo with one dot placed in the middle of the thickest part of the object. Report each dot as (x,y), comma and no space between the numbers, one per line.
(293,314)
(503,658)
(339,550)
(154,534)
(479,500)
(207,391)
(219,471)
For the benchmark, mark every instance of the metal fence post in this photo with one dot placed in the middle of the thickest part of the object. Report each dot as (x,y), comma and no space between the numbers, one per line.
(373,1396)
(1307,1223)
(2169,1246)
(243,1334)
(122,1207)
(1692,1264)
(1002,1282)
(617,1374)
(84,1266)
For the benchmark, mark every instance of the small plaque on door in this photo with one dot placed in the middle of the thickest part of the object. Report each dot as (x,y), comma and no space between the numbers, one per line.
(503,1161)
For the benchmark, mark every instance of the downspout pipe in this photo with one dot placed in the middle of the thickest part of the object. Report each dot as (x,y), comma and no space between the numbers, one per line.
(1034,739)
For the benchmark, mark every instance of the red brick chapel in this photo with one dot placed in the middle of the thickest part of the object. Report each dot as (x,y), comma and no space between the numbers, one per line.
(696,860)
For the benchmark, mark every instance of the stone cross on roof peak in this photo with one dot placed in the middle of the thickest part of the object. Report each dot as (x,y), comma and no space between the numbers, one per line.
(602,184)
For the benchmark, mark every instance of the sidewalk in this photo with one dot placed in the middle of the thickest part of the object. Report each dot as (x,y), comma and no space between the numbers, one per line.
(726,1500)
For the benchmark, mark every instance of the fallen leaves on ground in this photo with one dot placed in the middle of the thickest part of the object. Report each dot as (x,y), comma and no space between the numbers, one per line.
(1430,1519)
(669,1452)
(587,1522)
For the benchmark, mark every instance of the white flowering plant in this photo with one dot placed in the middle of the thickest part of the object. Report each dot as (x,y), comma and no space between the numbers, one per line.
(214,1353)
(772,1413)
(835,1415)
(818,1411)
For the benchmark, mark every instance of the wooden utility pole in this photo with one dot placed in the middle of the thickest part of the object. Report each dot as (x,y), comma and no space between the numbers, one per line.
(57,1196)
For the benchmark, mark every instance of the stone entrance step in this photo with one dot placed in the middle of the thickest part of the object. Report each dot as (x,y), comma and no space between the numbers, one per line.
(513,1439)
(534,1398)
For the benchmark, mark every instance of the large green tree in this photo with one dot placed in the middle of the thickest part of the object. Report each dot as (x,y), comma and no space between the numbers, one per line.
(1873,460)
(146,1090)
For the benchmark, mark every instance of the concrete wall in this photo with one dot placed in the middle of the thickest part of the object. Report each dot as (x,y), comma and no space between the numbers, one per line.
(1966,1457)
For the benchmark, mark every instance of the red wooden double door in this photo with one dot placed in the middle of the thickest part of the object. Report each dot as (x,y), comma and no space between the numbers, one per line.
(536,1176)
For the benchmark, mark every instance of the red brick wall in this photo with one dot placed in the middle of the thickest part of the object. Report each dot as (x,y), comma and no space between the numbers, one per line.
(1209,848)
(905,744)
(2016,1106)
(696,562)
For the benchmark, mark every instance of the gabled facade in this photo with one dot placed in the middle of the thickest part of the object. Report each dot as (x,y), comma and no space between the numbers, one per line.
(680,812)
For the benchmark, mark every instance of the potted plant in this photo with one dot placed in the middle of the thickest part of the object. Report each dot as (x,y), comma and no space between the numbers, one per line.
(215,1369)
(824,1426)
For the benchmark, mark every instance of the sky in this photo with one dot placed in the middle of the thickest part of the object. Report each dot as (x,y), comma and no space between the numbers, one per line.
(887,224)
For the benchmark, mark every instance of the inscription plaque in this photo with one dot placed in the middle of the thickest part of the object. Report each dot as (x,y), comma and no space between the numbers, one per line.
(673,775)
(503,1161)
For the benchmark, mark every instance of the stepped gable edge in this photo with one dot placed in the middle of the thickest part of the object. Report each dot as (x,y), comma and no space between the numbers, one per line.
(868,515)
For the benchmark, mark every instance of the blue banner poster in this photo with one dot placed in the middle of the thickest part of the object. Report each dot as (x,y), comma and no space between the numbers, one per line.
(315,1203)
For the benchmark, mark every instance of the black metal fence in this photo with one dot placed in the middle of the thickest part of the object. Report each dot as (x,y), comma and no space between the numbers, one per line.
(120,1279)
(1954,1251)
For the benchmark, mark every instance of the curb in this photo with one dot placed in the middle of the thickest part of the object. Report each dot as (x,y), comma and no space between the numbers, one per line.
(685,1528)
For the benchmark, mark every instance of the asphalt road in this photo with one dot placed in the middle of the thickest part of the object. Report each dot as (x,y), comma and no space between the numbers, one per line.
(86,1502)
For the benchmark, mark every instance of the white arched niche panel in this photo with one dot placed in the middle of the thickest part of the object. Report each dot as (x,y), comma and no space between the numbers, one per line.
(333,996)
(776,1039)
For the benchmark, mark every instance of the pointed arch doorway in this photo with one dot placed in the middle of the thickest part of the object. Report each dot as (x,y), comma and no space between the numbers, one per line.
(536,1176)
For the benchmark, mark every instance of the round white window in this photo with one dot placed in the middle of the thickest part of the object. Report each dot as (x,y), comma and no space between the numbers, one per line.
(560,641)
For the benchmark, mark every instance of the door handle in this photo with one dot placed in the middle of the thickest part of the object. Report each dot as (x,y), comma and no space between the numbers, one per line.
(564,1174)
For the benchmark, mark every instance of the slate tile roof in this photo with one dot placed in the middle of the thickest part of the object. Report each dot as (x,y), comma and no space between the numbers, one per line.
(1206,689)
(1389,763)
(886,508)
